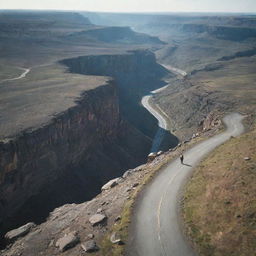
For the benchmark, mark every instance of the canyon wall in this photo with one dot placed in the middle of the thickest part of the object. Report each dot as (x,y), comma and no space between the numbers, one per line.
(136,73)
(68,159)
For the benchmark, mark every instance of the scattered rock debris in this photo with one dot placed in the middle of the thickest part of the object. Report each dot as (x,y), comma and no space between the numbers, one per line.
(90,236)
(99,210)
(116,239)
(66,242)
(97,219)
(136,184)
(110,184)
(92,220)
(90,246)
(19,232)
(117,218)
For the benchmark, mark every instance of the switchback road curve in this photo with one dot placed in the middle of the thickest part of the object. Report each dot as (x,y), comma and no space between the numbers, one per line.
(155,226)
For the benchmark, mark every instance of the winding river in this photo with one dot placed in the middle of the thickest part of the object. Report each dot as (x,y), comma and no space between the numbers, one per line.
(162,122)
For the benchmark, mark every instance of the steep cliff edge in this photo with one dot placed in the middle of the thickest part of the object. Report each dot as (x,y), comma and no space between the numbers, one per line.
(66,160)
(136,74)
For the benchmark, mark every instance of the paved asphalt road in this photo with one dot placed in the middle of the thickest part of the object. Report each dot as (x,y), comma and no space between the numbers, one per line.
(155,227)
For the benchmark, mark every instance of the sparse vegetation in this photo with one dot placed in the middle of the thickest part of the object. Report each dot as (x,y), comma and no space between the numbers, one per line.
(220,200)
(122,227)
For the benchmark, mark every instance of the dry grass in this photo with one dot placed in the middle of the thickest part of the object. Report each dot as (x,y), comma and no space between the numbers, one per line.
(220,200)
(122,227)
(109,249)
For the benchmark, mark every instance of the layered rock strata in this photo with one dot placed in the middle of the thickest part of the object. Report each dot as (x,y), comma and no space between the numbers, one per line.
(65,160)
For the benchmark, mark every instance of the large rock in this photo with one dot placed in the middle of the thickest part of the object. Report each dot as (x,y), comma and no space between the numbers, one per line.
(151,156)
(115,238)
(110,184)
(90,246)
(66,242)
(21,231)
(97,219)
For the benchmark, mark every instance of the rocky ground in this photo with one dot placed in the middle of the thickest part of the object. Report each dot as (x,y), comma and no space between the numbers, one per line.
(99,225)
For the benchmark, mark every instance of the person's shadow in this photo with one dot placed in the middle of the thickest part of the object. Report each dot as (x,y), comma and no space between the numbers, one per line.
(187,165)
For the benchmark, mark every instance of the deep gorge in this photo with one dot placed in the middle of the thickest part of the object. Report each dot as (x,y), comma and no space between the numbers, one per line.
(70,158)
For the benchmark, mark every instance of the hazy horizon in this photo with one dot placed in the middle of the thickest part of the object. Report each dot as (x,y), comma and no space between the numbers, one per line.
(133,6)
(130,12)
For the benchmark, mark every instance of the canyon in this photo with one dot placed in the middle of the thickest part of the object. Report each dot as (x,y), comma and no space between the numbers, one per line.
(75,118)
(79,133)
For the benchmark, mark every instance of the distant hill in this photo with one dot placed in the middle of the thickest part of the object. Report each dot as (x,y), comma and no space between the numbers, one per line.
(113,35)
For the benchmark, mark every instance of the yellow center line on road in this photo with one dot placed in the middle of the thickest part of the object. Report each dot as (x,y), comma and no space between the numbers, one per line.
(159,211)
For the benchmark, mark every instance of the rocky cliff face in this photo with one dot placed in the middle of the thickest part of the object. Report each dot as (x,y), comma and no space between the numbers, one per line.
(67,160)
(136,74)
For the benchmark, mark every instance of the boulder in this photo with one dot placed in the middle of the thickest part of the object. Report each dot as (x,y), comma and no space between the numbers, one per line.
(91,236)
(97,219)
(151,156)
(19,232)
(127,173)
(138,169)
(110,184)
(117,218)
(159,153)
(247,158)
(67,241)
(90,246)
(115,238)
(135,185)
(99,210)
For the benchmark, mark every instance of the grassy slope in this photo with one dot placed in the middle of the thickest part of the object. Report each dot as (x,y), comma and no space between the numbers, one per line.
(230,88)
(220,200)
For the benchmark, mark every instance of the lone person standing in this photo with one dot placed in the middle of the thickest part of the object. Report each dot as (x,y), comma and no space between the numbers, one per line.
(181,158)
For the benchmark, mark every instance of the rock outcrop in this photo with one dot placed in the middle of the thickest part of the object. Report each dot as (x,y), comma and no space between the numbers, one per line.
(136,74)
(19,232)
(75,219)
(90,246)
(66,242)
(67,160)
(97,219)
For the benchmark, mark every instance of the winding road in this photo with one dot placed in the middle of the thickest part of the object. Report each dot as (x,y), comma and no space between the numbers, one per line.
(24,73)
(156,230)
